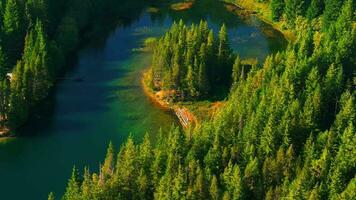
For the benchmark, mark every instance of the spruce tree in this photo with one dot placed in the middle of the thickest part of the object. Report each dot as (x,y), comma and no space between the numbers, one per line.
(332,11)
(315,9)
(293,9)
(214,189)
(4,101)
(51,196)
(223,49)
(2,64)
(236,71)
(277,8)
(13,27)
(73,188)
(108,166)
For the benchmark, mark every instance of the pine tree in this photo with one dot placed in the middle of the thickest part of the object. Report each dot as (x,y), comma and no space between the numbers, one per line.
(13,28)
(250,179)
(4,101)
(73,190)
(232,179)
(126,170)
(332,11)
(224,50)
(214,189)
(315,9)
(277,8)
(143,186)
(203,79)
(293,8)
(108,166)
(236,71)
(346,38)
(86,186)
(37,61)
(51,196)
(2,64)
(179,185)
(200,185)
(190,79)
(18,110)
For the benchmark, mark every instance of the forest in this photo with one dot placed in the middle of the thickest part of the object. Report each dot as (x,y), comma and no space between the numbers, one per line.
(185,61)
(190,63)
(287,130)
(37,39)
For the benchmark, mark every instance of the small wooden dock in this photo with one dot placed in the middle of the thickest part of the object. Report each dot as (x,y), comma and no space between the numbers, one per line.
(184,117)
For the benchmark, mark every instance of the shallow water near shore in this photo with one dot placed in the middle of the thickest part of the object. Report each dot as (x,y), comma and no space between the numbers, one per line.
(108,104)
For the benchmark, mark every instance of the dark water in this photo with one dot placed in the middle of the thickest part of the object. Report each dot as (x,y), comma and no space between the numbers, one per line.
(82,117)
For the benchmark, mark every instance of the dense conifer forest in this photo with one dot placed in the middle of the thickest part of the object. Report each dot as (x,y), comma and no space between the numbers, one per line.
(287,130)
(191,62)
(37,39)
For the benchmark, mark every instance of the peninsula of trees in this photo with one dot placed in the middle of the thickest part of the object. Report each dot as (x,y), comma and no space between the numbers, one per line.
(190,62)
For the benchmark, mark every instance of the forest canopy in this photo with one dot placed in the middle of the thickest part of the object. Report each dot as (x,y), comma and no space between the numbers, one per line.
(287,130)
(191,61)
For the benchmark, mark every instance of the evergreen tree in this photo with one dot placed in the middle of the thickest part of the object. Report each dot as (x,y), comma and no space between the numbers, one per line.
(224,51)
(108,166)
(2,64)
(73,189)
(51,196)
(315,9)
(13,28)
(293,8)
(4,101)
(332,11)
(236,71)
(277,8)
(214,190)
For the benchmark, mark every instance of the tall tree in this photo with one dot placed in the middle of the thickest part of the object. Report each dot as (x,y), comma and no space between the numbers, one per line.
(236,71)
(2,64)
(277,8)
(332,11)
(13,27)
(315,9)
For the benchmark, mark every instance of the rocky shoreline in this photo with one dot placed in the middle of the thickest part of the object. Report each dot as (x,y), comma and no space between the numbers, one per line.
(186,117)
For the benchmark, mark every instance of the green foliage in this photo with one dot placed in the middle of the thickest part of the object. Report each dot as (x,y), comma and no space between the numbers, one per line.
(51,196)
(332,11)
(277,8)
(315,9)
(37,38)
(2,64)
(293,8)
(13,27)
(183,60)
(287,130)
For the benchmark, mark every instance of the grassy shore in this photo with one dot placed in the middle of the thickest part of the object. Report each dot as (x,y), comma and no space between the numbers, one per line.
(262,11)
